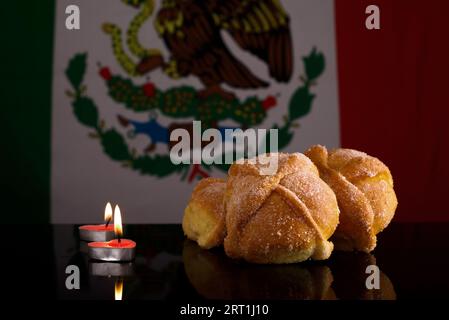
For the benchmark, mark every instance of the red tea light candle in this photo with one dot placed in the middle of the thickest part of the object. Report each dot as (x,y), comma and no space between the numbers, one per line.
(101,232)
(115,250)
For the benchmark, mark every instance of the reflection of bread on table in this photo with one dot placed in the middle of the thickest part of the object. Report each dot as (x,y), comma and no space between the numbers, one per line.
(215,276)
(364,189)
(349,270)
(204,219)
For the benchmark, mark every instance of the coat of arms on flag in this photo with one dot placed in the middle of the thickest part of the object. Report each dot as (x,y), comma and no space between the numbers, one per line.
(143,68)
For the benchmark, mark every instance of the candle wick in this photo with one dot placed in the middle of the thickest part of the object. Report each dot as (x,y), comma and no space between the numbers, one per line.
(107,222)
(119,239)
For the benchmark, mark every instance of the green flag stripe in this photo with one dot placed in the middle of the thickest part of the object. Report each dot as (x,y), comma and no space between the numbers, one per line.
(26,55)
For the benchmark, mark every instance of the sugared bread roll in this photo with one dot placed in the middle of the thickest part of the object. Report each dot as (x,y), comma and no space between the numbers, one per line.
(286,217)
(364,189)
(203,219)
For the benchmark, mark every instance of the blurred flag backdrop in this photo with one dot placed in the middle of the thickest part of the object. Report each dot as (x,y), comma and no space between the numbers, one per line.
(88,112)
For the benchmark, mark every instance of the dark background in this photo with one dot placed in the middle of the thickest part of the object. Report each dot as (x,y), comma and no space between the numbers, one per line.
(26,55)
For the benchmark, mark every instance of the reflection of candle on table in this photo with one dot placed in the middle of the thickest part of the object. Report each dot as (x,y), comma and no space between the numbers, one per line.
(115,250)
(111,269)
(101,232)
(118,289)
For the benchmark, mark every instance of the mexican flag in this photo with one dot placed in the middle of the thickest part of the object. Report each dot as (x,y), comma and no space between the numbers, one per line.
(93,105)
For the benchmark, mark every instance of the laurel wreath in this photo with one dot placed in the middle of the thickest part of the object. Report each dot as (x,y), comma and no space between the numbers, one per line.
(180,102)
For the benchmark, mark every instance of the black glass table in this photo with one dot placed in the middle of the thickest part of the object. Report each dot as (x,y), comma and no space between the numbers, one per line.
(412,259)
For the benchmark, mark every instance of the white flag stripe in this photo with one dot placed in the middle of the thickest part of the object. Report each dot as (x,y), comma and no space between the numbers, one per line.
(84,178)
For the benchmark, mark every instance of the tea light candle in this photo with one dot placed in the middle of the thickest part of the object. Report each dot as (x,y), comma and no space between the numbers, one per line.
(115,250)
(101,232)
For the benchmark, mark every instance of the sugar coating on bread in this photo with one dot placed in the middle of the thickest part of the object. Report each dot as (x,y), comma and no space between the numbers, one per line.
(282,218)
(364,189)
(204,220)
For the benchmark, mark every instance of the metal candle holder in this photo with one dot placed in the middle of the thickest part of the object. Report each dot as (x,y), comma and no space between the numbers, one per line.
(105,252)
(95,235)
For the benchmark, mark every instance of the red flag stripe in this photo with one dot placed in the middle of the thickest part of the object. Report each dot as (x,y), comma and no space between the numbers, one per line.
(394,97)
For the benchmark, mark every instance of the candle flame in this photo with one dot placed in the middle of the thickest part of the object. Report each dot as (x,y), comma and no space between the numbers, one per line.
(118,288)
(108,212)
(118,229)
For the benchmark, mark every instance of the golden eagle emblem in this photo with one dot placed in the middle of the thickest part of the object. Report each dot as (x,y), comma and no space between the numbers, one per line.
(192,32)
